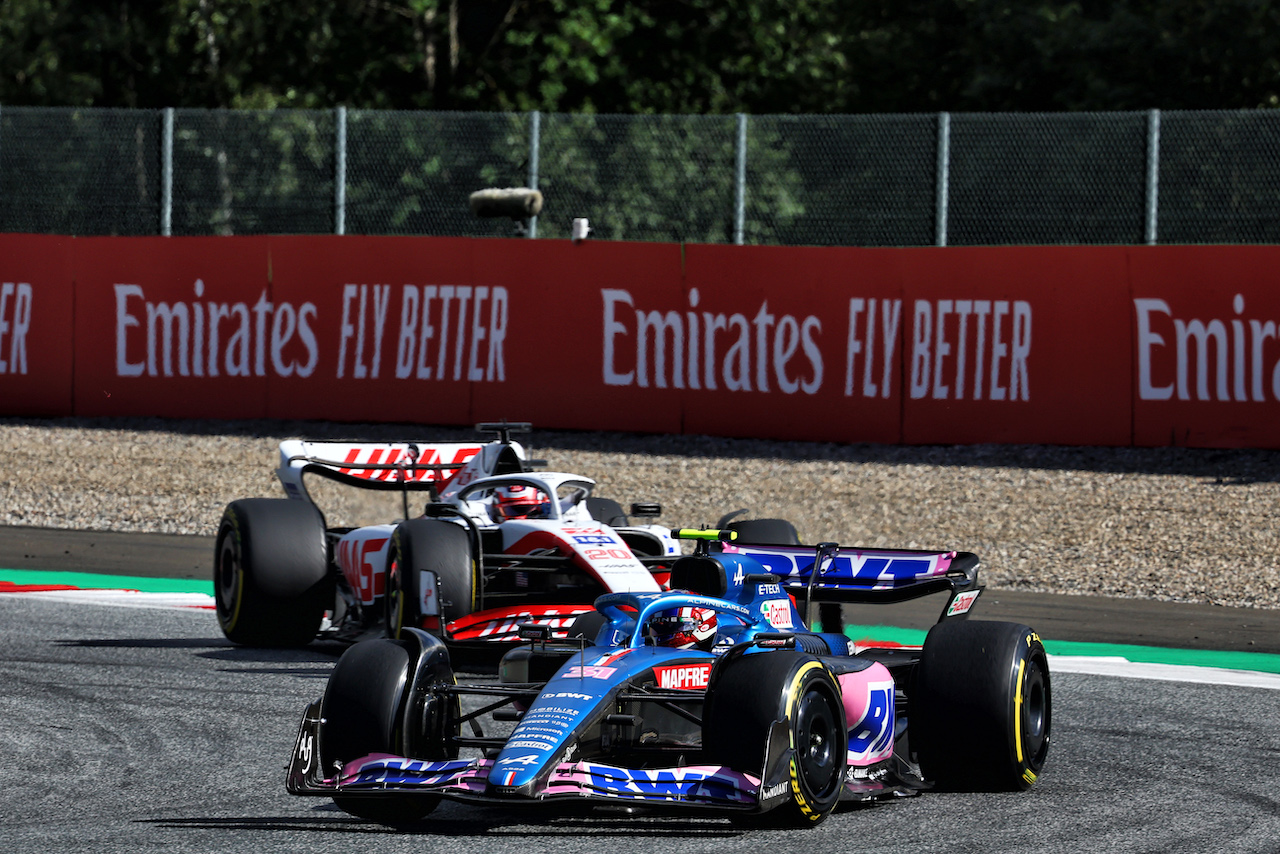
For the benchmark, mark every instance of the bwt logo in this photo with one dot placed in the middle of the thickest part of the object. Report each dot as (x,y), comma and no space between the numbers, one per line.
(15,320)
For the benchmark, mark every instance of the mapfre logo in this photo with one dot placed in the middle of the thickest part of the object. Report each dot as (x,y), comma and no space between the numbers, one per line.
(683,677)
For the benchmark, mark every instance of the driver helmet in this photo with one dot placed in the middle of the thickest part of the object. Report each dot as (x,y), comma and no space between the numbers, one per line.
(519,501)
(683,628)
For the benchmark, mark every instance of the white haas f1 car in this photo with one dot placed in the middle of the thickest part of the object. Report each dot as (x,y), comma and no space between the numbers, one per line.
(499,544)
(713,697)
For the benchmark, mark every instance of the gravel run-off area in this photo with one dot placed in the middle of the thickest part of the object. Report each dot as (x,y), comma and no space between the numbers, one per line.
(1179,524)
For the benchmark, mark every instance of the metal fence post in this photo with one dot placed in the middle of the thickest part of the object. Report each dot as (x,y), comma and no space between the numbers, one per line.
(340,172)
(535,134)
(944,178)
(166,173)
(1153,174)
(740,181)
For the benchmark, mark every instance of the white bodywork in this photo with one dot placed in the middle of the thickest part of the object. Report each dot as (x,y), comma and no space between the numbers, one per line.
(566,527)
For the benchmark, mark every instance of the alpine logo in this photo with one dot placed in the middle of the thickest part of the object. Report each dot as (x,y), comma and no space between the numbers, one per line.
(683,677)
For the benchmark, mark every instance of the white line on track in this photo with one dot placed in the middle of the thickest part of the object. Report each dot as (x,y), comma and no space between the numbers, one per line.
(1099,665)
(123,598)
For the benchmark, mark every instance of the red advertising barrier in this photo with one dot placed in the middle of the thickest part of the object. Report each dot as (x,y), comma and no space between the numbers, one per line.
(37,346)
(967,345)
(806,342)
(459,331)
(1058,345)
(1017,344)
(564,360)
(348,303)
(1206,348)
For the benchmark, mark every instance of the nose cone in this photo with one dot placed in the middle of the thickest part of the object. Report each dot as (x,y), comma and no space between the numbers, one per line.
(549,729)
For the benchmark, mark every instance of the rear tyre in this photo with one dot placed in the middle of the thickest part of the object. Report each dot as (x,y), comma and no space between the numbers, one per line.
(981,706)
(436,545)
(747,694)
(271,575)
(363,712)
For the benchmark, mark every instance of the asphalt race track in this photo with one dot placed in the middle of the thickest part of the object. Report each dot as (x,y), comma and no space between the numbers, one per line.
(143,729)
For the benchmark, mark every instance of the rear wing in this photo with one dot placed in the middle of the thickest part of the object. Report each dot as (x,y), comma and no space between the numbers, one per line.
(849,574)
(421,466)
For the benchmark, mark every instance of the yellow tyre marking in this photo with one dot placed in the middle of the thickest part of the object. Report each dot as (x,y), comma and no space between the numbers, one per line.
(1017,711)
(792,700)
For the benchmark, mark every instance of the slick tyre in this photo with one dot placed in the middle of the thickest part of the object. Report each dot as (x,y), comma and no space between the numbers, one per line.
(271,575)
(747,695)
(428,544)
(364,711)
(981,706)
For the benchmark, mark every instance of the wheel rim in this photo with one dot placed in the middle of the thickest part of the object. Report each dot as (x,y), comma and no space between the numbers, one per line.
(1035,714)
(229,581)
(395,598)
(817,743)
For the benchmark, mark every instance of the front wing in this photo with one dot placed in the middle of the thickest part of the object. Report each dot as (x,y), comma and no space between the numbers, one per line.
(713,787)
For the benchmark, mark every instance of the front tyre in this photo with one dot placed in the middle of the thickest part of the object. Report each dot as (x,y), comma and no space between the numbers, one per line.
(271,575)
(981,706)
(745,698)
(441,547)
(371,705)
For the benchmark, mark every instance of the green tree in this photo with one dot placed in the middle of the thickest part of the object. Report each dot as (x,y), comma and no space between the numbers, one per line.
(667,56)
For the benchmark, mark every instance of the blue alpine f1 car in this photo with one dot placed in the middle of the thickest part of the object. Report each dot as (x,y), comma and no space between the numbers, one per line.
(711,696)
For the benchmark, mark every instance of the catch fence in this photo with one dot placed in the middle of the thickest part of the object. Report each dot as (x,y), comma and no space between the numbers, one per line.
(959,179)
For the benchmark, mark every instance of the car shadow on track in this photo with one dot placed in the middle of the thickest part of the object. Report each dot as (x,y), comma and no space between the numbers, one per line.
(315,661)
(489,824)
